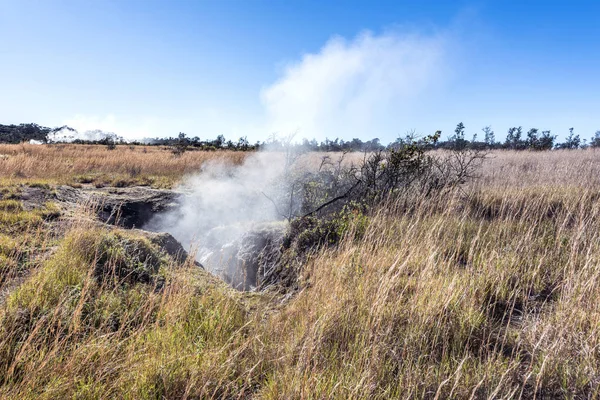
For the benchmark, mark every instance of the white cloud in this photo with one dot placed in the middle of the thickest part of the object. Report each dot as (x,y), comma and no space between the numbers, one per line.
(359,88)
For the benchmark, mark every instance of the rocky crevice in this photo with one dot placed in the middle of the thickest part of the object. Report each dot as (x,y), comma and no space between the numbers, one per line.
(126,207)
(247,263)
(129,208)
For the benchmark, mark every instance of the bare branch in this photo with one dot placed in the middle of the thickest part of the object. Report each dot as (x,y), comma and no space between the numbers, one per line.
(322,206)
(275,205)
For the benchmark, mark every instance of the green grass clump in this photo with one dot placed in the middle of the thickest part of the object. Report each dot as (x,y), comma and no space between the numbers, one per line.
(10,256)
(8,191)
(7,206)
(39,184)
(128,258)
(15,219)
(8,245)
(86,255)
(104,287)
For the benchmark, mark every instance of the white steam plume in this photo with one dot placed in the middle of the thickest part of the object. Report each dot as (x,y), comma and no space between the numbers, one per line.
(223,201)
(355,88)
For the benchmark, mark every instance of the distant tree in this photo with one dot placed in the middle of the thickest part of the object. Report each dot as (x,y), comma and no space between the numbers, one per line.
(595,141)
(532,138)
(546,141)
(356,144)
(490,136)
(373,145)
(572,141)
(243,143)
(335,145)
(219,141)
(513,139)
(539,142)
(306,144)
(181,144)
(111,144)
(458,141)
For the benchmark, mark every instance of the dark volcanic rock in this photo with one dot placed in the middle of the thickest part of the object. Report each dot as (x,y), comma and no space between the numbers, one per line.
(35,197)
(133,207)
(246,261)
(128,207)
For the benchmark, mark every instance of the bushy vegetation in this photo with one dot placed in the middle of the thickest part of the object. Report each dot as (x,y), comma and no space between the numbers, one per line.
(320,202)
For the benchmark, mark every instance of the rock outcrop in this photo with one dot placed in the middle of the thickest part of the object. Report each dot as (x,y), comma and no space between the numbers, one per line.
(130,207)
(247,260)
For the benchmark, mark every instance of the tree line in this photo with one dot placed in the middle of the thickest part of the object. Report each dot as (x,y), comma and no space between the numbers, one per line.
(516,139)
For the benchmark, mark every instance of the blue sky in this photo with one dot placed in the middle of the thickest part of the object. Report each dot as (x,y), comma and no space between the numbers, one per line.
(319,68)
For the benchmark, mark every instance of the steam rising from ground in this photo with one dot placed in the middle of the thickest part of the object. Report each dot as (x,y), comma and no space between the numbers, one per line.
(68,135)
(223,202)
(353,88)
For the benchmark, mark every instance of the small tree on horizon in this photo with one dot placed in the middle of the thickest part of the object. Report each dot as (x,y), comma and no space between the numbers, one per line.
(539,142)
(546,140)
(180,145)
(513,139)
(489,136)
(572,141)
(458,139)
(595,141)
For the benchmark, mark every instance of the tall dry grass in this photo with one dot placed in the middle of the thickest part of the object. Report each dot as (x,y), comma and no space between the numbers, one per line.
(68,163)
(488,293)
(559,168)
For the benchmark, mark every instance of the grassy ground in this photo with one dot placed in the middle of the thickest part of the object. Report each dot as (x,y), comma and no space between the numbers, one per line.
(489,293)
(93,164)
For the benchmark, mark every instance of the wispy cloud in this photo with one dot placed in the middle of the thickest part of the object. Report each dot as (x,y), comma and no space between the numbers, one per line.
(351,88)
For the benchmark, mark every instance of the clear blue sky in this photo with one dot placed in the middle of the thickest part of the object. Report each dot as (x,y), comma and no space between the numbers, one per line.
(321,68)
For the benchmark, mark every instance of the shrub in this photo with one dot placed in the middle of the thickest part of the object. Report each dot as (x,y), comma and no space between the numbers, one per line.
(405,171)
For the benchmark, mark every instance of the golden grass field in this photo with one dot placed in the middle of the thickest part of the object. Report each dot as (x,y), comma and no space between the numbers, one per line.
(490,292)
(123,166)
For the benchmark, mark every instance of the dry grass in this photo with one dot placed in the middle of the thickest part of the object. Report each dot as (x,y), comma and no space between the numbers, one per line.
(491,293)
(95,164)
(549,169)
